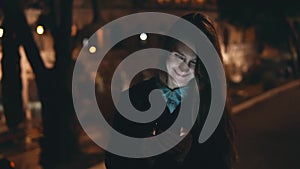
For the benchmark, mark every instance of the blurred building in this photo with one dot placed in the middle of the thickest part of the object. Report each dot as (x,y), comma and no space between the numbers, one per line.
(243,57)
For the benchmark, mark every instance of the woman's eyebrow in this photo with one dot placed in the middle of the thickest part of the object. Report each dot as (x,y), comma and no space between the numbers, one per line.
(180,53)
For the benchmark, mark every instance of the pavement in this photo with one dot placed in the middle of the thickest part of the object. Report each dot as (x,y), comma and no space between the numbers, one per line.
(267,126)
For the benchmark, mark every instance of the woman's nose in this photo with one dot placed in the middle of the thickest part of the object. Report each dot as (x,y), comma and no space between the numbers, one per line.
(183,67)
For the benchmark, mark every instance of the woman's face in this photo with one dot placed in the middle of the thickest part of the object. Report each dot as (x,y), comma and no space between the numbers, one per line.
(180,65)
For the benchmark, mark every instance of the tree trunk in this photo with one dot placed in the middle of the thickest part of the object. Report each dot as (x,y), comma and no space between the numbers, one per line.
(58,112)
(60,141)
(95,6)
(11,79)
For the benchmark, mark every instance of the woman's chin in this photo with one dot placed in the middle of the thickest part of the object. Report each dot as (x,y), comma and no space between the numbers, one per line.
(179,83)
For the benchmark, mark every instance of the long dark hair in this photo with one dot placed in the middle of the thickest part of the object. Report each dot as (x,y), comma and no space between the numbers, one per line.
(206,25)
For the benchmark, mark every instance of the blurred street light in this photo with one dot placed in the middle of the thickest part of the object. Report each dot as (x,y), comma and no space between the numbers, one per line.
(85,41)
(177,1)
(200,1)
(143,36)
(160,1)
(92,49)
(163,1)
(1,32)
(40,29)
(74,30)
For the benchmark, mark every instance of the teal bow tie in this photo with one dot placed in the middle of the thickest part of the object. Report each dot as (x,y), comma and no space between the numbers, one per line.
(173,97)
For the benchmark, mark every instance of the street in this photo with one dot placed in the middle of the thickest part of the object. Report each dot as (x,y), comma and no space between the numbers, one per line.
(267,138)
(268,134)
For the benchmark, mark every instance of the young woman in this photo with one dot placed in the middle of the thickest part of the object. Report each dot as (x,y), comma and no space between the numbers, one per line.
(182,67)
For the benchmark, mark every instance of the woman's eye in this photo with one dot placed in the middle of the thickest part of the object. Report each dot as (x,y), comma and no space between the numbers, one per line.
(192,64)
(181,57)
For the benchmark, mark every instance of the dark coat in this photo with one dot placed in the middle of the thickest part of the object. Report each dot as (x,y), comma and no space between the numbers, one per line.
(188,154)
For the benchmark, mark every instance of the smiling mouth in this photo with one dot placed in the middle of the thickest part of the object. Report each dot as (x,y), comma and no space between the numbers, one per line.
(180,75)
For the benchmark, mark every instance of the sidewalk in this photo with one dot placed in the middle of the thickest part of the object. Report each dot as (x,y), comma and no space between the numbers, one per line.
(24,148)
(259,95)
